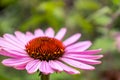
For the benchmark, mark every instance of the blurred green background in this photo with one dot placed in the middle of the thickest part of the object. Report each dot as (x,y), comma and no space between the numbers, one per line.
(97,20)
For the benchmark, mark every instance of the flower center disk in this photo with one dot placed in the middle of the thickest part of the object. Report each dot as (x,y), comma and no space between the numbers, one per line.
(45,48)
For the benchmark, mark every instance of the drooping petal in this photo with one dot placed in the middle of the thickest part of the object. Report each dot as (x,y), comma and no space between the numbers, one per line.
(61,34)
(55,65)
(68,69)
(33,66)
(38,33)
(77,64)
(45,68)
(15,62)
(80,46)
(49,32)
(72,39)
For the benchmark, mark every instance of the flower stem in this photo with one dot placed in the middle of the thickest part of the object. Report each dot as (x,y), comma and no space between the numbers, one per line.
(44,77)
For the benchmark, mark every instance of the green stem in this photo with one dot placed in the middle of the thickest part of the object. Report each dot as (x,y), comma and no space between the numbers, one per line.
(44,77)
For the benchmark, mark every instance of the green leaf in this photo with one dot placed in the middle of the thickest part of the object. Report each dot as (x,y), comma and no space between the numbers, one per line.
(116,2)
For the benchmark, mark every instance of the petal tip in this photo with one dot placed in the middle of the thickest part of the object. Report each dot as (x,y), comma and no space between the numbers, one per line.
(49,28)
(30,72)
(78,34)
(90,42)
(64,28)
(93,68)
(4,63)
(76,72)
(100,49)
(101,56)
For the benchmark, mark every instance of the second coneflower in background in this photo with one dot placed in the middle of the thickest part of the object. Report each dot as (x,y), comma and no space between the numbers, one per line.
(46,52)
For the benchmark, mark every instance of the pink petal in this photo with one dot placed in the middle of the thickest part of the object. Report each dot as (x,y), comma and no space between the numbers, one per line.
(72,39)
(55,65)
(20,51)
(77,64)
(61,34)
(39,32)
(49,32)
(7,54)
(68,69)
(13,54)
(33,66)
(20,67)
(85,56)
(88,61)
(29,33)
(80,46)
(88,52)
(6,44)
(45,68)
(13,39)
(21,37)
(15,51)
(16,62)
(29,36)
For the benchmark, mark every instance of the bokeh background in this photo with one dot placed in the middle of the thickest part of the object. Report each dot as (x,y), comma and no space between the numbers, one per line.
(97,20)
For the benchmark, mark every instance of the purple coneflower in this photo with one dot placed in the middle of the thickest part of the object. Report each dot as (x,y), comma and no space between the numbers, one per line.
(47,53)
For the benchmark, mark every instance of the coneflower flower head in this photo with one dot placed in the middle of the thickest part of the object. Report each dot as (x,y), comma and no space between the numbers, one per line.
(47,52)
